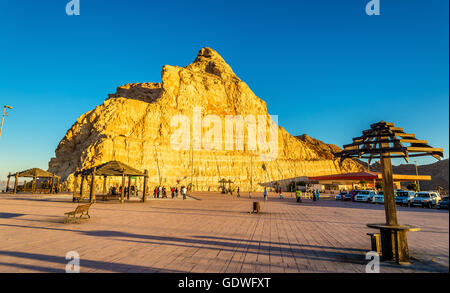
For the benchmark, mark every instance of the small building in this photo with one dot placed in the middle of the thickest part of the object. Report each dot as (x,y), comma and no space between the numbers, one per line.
(302,183)
(363,180)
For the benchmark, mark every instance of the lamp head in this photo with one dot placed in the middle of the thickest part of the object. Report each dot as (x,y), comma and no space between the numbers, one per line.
(9,107)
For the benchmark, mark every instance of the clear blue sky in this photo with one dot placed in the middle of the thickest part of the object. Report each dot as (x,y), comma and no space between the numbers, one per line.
(325,67)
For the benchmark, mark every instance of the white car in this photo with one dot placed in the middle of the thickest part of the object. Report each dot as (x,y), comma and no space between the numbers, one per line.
(379,198)
(364,195)
(405,197)
(341,195)
(426,199)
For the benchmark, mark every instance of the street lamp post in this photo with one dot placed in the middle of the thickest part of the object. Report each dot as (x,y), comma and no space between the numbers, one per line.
(417,174)
(5,114)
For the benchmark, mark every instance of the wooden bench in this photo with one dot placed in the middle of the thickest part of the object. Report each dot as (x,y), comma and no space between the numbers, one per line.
(82,210)
(106,197)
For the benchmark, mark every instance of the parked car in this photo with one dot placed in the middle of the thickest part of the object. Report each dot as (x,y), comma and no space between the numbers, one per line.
(379,198)
(341,195)
(426,199)
(405,197)
(348,196)
(364,195)
(352,194)
(443,204)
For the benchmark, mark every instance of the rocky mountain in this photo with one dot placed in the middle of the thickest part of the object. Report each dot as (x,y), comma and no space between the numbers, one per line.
(439,172)
(179,130)
(325,150)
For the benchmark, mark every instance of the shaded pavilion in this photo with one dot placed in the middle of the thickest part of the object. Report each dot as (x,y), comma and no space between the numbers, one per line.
(110,169)
(385,141)
(222,183)
(35,174)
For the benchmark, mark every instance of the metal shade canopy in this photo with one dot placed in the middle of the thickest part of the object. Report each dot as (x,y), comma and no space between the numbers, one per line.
(385,141)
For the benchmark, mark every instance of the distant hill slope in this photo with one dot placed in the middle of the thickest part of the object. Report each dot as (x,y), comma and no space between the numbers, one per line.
(324,149)
(438,171)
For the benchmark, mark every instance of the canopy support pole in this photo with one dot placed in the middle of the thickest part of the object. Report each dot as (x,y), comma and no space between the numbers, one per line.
(15,183)
(104,184)
(129,188)
(7,183)
(122,193)
(388,191)
(82,187)
(34,184)
(92,191)
(75,186)
(52,186)
(144,192)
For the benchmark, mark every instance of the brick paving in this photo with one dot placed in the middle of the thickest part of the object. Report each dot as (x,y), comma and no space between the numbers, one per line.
(210,233)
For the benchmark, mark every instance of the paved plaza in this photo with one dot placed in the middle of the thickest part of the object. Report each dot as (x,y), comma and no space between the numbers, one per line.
(210,233)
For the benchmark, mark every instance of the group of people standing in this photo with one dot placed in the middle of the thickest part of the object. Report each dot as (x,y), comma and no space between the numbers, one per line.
(315,194)
(277,190)
(162,192)
(113,190)
(230,191)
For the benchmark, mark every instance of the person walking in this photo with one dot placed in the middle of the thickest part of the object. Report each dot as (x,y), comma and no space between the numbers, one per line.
(176,191)
(281,193)
(172,190)
(314,195)
(183,192)
(238,193)
(299,195)
(317,194)
(265,193)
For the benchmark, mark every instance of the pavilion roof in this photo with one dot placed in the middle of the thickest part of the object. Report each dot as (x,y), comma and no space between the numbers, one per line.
(34,172)
(384,139)
(113,168)
(366,175)
(348,176)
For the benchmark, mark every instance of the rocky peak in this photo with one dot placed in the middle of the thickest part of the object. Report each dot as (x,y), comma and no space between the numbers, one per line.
(147,92)
(134,126)
(209,61)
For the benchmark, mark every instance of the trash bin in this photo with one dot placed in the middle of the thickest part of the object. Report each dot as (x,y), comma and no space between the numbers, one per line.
(256,207)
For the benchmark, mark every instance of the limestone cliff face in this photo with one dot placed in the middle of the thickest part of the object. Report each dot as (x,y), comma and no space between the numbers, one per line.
(135,126)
